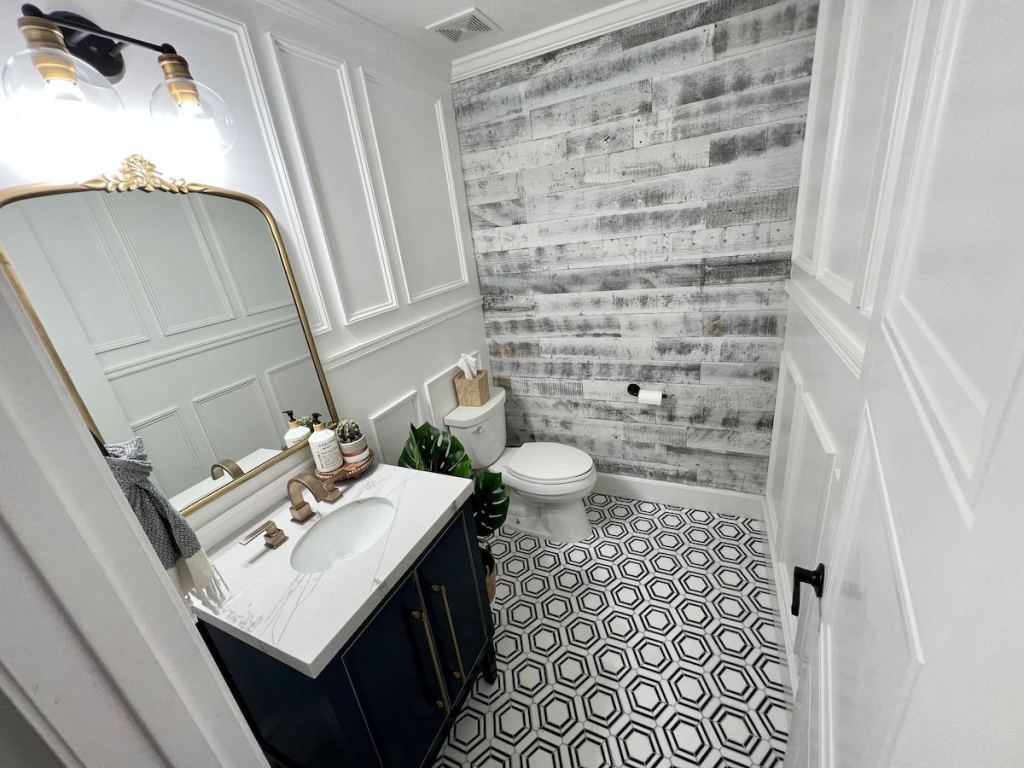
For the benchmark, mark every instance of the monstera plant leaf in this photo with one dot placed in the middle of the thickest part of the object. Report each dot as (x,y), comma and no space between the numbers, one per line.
(434,450)
(490,503)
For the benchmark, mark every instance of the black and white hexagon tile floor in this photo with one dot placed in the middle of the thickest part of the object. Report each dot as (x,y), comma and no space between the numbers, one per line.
(653,643)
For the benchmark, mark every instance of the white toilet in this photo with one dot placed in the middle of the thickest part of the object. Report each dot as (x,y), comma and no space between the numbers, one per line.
(548,481)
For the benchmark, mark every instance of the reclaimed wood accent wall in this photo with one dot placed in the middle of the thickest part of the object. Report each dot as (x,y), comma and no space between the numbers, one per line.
(632,201)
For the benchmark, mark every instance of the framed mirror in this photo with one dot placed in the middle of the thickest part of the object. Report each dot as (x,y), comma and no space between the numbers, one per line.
(173,315)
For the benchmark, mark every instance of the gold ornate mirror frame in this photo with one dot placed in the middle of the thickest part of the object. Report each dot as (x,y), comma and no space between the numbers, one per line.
(138,174)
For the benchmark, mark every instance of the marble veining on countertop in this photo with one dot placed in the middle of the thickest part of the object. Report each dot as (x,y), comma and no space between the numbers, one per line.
(304,619)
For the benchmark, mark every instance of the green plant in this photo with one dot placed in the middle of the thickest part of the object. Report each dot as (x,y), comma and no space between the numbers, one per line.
(433,450)
(348,431)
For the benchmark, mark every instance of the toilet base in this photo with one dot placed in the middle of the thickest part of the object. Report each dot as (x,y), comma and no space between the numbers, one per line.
(565,521)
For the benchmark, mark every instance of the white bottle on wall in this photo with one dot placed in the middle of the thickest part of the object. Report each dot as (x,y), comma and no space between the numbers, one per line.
(325,447)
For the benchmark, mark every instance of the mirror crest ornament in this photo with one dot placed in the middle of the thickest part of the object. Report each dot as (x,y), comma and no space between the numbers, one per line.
(137,174)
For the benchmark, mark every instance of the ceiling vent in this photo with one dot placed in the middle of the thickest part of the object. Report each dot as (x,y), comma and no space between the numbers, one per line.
(463,26)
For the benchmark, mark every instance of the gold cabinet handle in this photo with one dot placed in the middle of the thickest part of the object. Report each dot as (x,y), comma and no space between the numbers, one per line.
(421,616)
(441,589)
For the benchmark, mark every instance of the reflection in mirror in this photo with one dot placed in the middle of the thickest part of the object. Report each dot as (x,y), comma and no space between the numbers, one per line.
(174,318)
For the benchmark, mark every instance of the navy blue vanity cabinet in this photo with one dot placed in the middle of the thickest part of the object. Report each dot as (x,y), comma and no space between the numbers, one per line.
(396,676)
(458,612)
(389,696)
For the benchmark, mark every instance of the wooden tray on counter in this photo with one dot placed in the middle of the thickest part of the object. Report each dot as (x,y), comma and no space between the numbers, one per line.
(347,471)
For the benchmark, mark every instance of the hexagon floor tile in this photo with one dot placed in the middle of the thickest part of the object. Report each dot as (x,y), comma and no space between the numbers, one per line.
(652,643)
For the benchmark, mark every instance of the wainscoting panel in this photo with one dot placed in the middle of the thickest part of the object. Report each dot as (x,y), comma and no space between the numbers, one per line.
(239,235)
(110,319)
(873,641)
(411,146)
(188,292)
(632,202)
(236,418)
(176,462)
(391,425)
(323,107)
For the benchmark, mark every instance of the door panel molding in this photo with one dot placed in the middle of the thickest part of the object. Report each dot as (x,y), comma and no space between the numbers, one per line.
(859,593)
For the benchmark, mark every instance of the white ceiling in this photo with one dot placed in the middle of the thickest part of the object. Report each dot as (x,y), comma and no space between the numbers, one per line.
(408,18)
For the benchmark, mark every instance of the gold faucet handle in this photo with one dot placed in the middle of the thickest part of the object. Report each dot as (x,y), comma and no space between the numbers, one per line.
(273,537)
(331,492)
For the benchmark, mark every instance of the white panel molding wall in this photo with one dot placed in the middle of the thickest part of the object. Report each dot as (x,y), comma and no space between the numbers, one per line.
(368,212)
(132,618)
(243,402)
(397,335)
(263,138)
(178,451)
(403,225)
(390,425)
(129,367)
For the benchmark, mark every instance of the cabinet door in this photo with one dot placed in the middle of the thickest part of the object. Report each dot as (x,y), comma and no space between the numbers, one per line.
(451,587)
(395,672)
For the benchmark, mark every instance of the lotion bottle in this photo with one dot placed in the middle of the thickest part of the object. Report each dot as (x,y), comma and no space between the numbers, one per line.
(296,432)
(325,447)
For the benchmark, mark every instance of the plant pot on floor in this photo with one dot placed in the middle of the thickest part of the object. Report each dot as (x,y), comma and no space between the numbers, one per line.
(490,572)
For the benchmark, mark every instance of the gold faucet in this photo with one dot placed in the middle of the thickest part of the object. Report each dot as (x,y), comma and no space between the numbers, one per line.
(273,537)
(225,465)
(322,490)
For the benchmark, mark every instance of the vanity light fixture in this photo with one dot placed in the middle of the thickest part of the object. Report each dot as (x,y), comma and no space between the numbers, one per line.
(71,60)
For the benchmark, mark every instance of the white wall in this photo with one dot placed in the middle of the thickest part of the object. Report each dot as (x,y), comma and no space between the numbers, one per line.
(327,108)
(347,134)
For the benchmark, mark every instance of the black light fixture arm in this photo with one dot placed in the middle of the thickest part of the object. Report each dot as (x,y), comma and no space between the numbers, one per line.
(63,20)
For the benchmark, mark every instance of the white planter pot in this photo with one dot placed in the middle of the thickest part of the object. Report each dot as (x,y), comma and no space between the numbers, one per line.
(352,452)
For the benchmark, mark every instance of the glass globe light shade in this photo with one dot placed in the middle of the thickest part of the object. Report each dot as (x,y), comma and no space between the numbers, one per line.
(58,118)
(200,123)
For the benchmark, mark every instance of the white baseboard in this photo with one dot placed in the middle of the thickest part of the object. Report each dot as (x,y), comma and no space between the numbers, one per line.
(782,598)
(680,495)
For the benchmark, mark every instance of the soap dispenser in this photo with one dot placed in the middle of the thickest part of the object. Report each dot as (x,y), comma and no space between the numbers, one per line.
(296,432)
(325,447)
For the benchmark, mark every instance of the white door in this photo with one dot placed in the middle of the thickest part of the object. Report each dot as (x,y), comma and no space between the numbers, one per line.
(914,285)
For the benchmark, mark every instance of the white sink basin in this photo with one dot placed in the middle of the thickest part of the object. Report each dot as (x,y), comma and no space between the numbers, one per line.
(343,533)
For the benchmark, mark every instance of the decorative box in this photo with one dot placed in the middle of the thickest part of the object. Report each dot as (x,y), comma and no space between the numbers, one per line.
(475,391)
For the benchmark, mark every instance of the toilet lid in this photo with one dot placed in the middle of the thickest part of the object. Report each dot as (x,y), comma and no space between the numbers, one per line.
(549,463)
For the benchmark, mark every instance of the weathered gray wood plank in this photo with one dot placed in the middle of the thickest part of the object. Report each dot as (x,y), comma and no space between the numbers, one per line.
(642,249)
(492,189)
(668,54)
(513,157)
(764,66)
(511,130)
(611,104)
(755,29)
(778,101)
(773,171)
(687,299)
(586,228)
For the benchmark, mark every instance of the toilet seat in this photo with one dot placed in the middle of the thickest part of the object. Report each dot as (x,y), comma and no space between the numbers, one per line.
(548,464)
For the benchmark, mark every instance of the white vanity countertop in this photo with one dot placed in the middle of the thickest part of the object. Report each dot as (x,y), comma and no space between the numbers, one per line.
(303,619)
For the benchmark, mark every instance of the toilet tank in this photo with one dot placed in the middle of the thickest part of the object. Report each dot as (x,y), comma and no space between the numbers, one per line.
(481,430)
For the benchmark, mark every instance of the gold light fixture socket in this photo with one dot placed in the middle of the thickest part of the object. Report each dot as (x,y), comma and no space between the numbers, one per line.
(179,80)
(46,44)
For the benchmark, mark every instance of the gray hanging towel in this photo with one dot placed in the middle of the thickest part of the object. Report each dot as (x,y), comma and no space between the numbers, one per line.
(172,538)
(170,535)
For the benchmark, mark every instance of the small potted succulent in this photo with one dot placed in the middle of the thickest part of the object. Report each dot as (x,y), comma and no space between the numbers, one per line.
(353,442)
